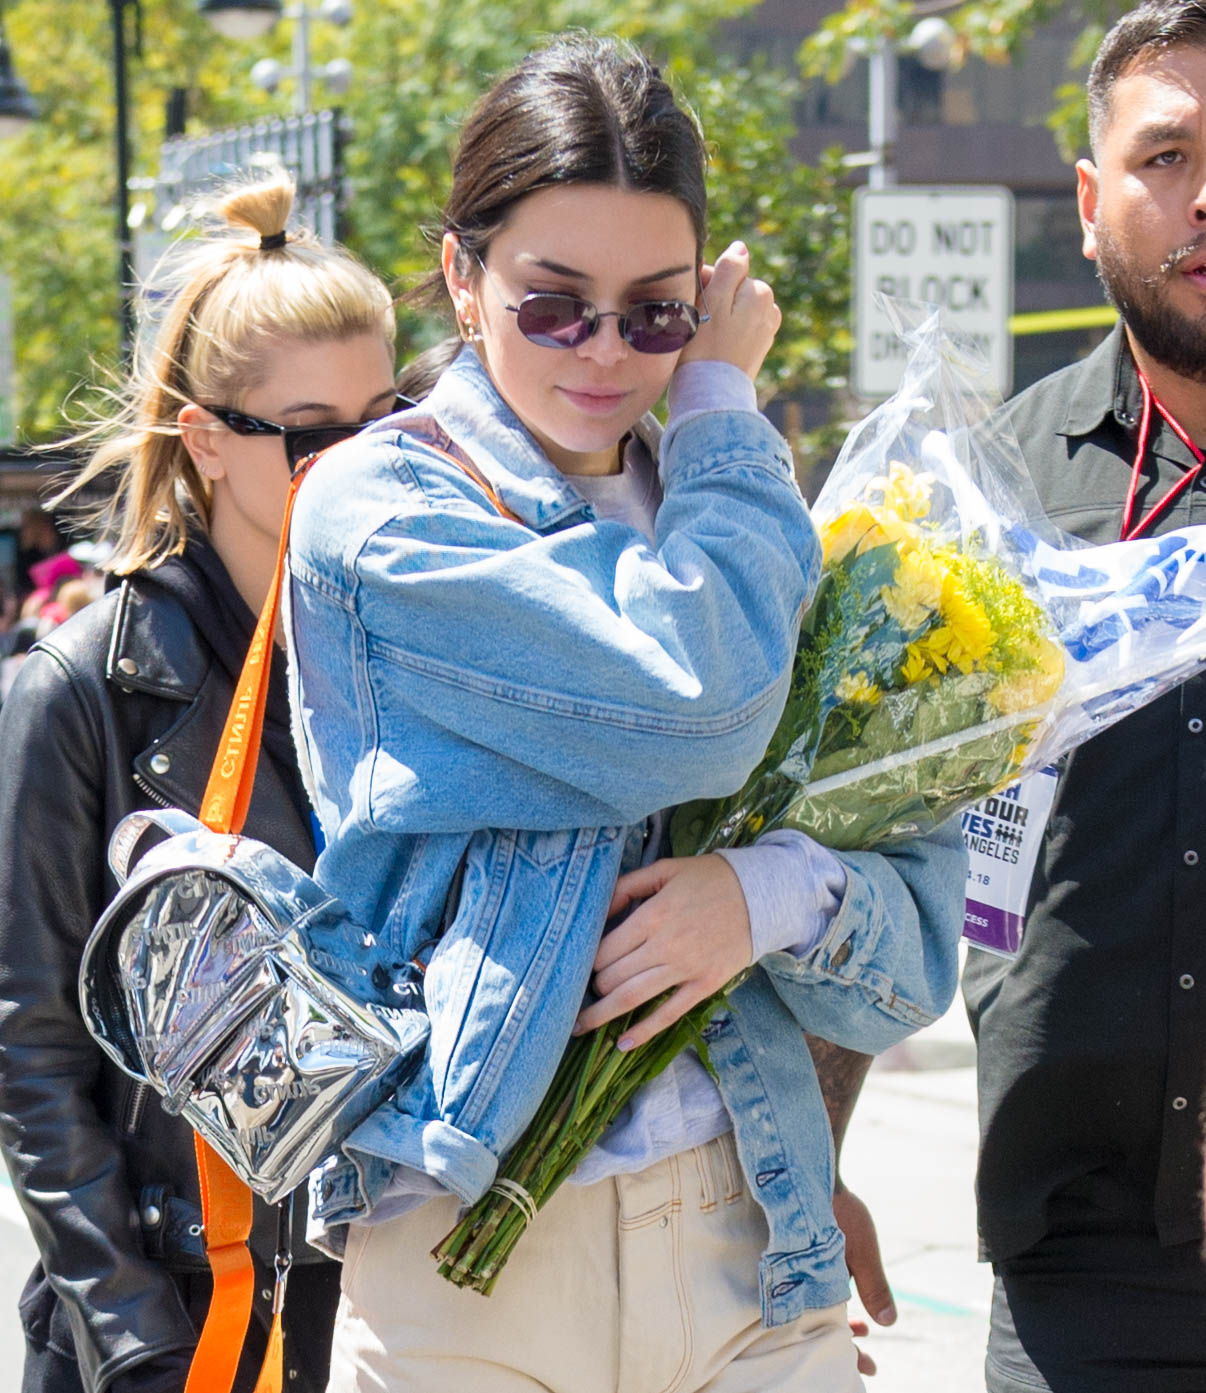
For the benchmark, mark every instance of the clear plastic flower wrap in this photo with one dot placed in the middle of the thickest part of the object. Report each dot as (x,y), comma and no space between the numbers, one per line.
(957,639)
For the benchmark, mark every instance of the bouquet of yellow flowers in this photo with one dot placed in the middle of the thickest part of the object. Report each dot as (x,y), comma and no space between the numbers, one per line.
(924,670)
(956,640)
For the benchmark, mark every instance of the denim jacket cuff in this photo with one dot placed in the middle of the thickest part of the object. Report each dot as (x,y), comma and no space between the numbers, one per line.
(813,1279)
(338,1190)
(851,940)
(454,1158)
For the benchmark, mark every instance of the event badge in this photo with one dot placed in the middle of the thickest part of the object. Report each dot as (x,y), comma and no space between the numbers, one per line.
(1003,834)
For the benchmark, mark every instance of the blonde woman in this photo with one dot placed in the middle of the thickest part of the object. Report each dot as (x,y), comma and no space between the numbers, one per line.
(270,346)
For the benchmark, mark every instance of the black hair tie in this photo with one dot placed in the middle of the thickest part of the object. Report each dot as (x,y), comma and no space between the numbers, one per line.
(273,242)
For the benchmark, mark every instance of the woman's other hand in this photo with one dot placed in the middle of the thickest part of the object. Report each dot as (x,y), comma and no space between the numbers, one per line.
(689,936)
(744,317)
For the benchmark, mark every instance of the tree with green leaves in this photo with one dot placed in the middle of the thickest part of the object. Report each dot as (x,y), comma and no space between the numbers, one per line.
(993,30)
(418,65)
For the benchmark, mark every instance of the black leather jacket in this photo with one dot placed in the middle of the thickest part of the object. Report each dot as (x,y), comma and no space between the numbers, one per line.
(120,708)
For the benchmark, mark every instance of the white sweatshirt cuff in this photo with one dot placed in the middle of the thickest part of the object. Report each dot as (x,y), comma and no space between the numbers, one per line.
(707,385)
(793,887)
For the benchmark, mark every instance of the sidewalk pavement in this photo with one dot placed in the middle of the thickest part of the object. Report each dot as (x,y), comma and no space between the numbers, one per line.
(910,1154)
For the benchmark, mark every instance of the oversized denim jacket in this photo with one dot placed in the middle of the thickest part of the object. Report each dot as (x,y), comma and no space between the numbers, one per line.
(455,672)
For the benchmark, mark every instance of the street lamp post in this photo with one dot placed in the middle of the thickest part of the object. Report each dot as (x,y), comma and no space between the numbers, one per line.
(882,71)
(125,244)
(932,42)
(337,74)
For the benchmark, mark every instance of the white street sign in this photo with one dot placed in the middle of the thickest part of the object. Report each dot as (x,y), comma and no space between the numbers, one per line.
(942,245)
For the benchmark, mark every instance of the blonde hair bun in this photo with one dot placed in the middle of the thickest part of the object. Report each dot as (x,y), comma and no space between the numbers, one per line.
(219,305)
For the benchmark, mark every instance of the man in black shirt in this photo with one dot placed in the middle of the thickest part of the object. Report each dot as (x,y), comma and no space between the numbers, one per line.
(1091,1040)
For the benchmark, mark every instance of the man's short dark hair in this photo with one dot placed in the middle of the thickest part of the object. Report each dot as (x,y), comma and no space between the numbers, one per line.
(1156,25)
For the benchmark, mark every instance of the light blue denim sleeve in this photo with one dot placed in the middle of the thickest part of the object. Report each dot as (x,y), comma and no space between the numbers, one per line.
(502,988)
(579,677)
(889,963)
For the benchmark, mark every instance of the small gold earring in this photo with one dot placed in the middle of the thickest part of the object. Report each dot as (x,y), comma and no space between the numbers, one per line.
(470,333)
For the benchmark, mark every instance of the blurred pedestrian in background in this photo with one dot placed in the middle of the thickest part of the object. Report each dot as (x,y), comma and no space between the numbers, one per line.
(270,346)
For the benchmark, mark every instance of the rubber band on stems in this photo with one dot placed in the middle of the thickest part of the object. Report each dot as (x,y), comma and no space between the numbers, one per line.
(512,1190)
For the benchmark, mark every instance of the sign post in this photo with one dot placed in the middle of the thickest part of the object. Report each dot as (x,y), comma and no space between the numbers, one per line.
(8,405)
(947,246)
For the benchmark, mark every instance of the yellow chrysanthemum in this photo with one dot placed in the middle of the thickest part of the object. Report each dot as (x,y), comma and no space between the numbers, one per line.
(858,687)
(1033,687)
(890,527)
(916,593)
(933,648)
(843,533)
(915,666)
(904,493)
(971,633)
(861,527)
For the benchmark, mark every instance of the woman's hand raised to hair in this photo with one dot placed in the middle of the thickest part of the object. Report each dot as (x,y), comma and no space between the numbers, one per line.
(690,936)
(744,317)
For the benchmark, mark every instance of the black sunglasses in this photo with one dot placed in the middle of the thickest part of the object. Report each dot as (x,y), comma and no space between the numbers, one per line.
(556,320)
(300,441)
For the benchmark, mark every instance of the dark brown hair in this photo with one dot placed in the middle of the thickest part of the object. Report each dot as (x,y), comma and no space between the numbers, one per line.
(584,110)
(1160,24)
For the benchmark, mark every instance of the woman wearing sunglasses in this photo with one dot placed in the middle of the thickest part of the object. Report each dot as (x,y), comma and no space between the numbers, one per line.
(270,346)
(522,626)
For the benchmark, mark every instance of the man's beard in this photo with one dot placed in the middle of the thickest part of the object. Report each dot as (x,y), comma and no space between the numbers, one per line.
(1168,335)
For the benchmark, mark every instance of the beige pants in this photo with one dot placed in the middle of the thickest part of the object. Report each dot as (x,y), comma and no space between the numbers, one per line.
(642,1284)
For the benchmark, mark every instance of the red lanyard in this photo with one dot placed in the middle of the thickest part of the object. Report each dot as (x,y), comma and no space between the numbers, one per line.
(1129,529)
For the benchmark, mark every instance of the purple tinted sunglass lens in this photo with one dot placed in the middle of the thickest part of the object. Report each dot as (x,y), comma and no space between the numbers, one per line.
(555,321)
(661,328)
(564,321)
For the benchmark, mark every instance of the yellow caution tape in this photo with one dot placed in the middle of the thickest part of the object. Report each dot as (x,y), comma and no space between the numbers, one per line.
(1052,321)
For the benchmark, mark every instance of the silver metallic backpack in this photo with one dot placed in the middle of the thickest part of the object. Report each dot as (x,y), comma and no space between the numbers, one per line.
(238,989)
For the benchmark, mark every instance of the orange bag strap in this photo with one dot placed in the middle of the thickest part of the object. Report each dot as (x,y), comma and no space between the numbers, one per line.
(228,793)
(225,1200)
(226,1215)
(481,481)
